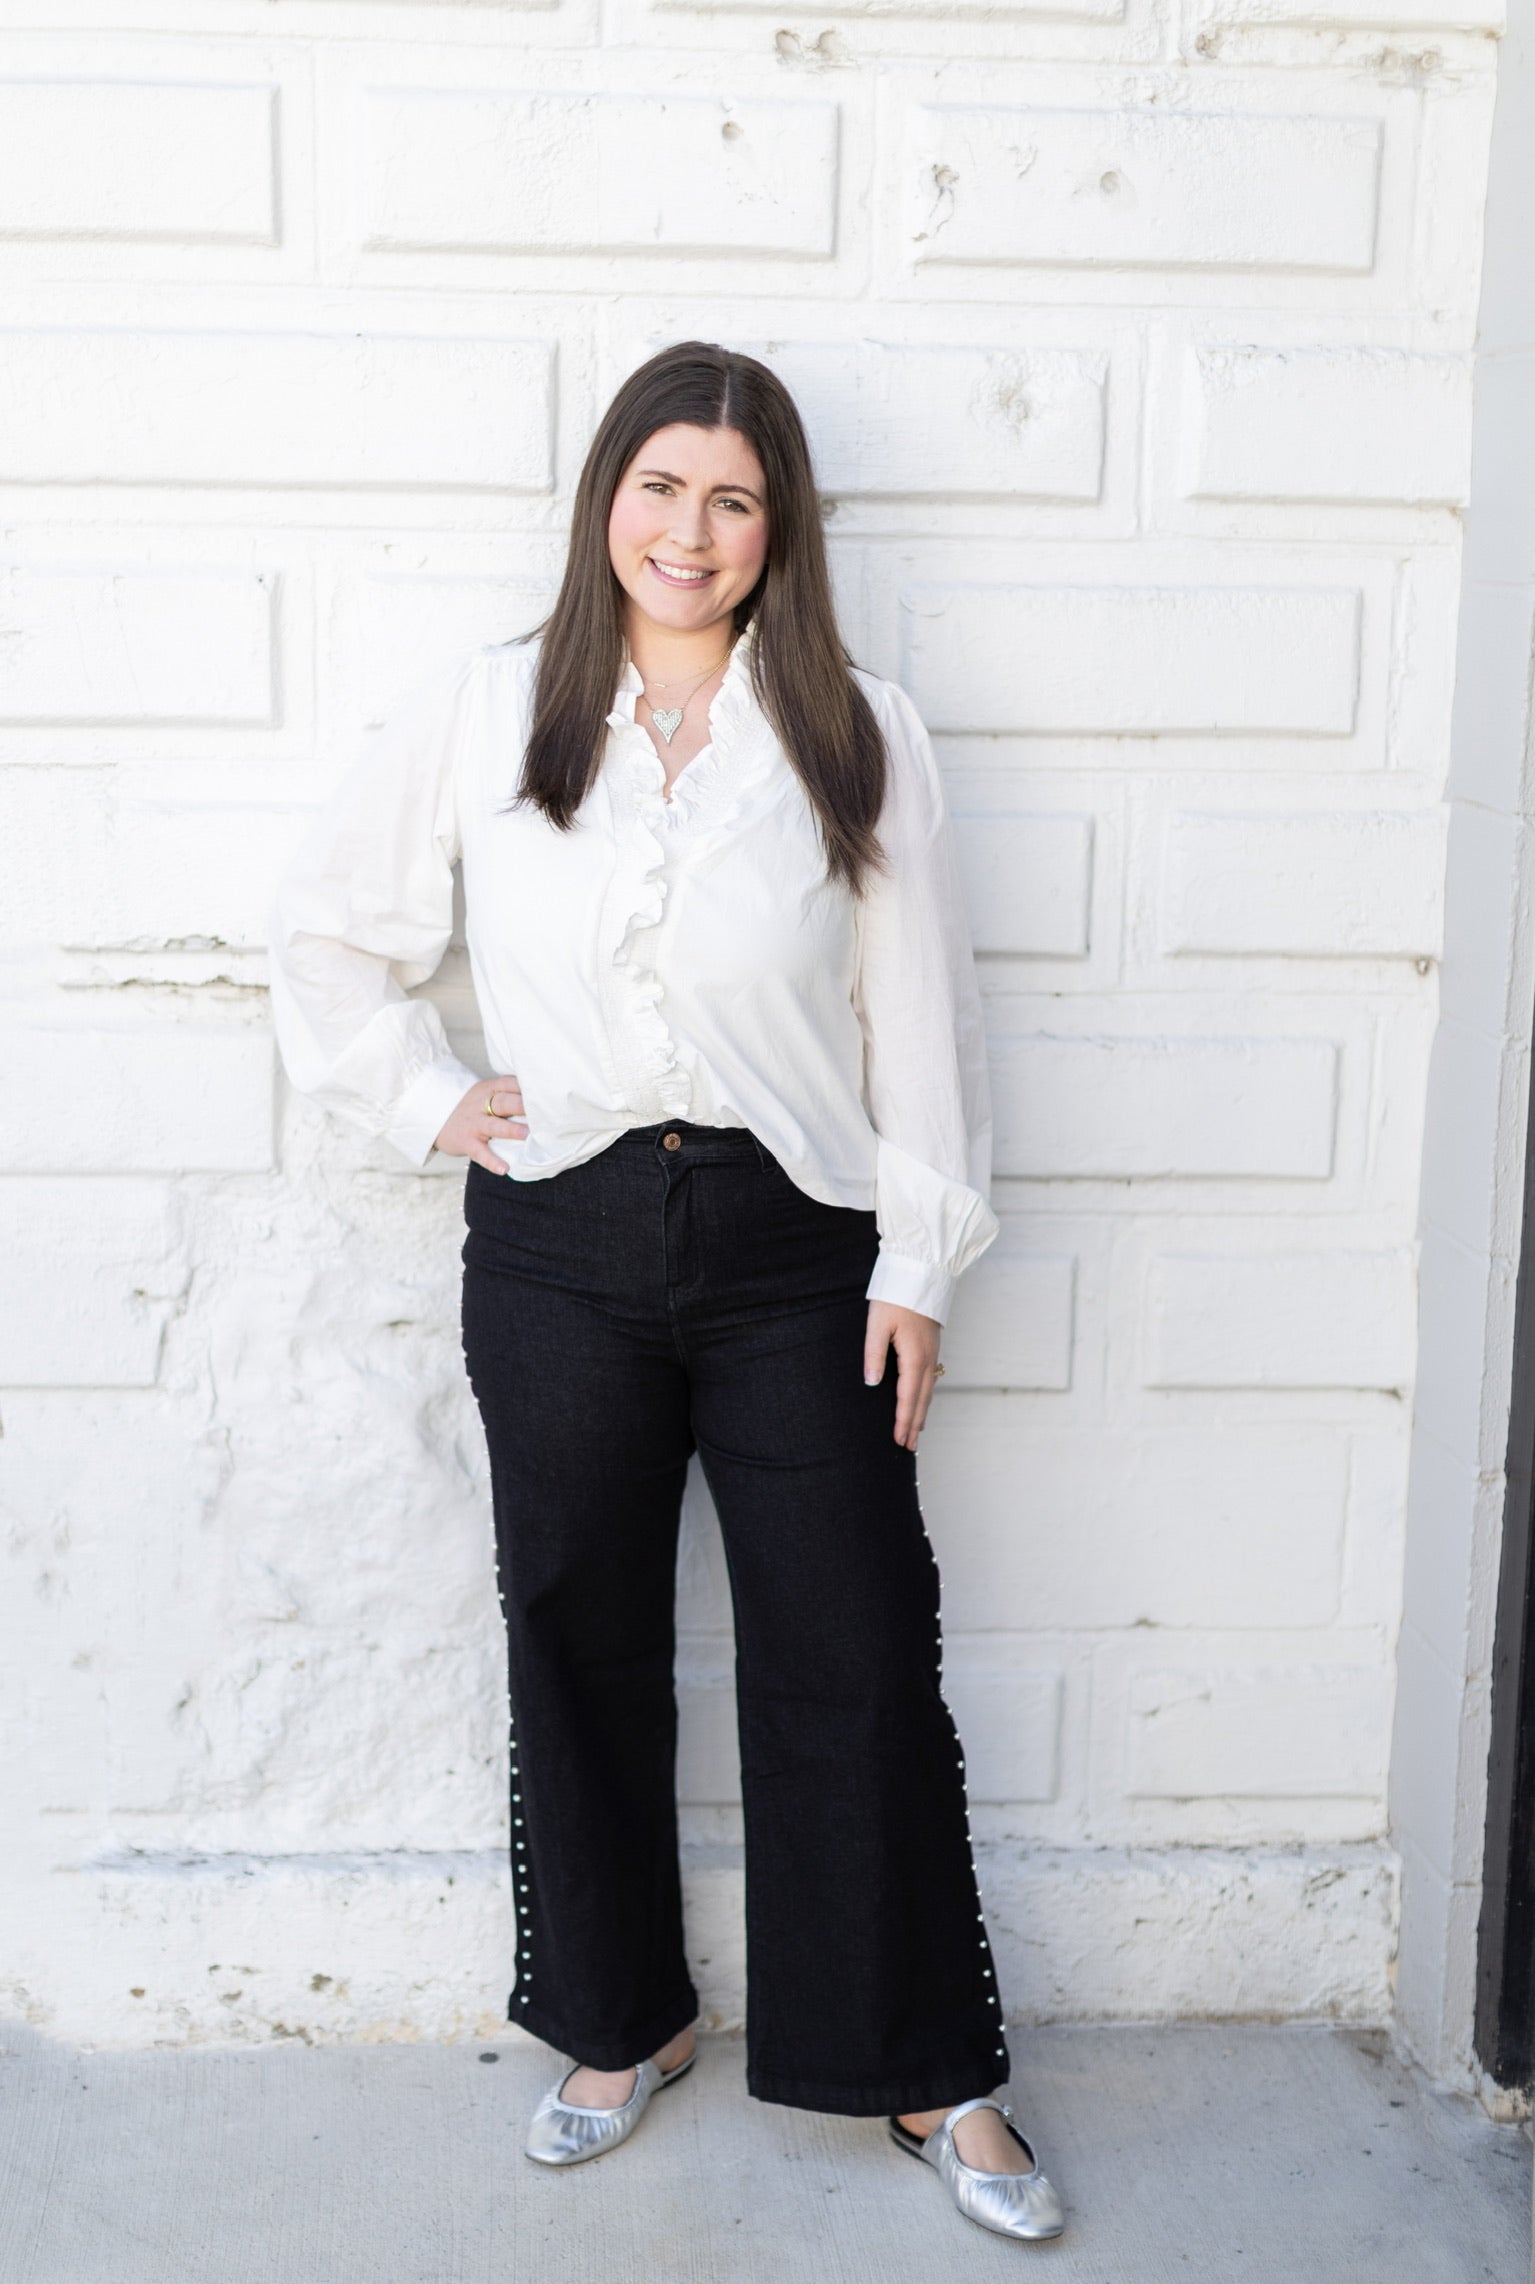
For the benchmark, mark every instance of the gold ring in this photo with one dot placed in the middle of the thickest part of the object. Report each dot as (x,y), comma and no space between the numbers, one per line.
(490,1104)
(939,1370)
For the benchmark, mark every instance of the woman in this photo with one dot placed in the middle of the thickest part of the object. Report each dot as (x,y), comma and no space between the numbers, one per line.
(739,1148)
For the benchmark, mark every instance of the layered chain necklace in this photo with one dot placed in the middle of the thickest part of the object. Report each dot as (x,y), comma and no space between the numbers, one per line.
(668,719)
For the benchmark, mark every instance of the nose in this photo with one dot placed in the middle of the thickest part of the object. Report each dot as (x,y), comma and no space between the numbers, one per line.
(690,527)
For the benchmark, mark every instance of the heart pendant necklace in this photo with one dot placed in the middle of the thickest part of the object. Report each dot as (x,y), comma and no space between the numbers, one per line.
(668,719)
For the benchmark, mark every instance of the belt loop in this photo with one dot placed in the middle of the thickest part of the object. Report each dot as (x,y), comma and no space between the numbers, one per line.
(763,1155)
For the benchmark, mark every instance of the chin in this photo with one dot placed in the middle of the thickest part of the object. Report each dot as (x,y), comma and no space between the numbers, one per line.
(671,609)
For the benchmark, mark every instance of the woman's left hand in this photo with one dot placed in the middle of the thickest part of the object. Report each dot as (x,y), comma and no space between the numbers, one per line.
(916,1339)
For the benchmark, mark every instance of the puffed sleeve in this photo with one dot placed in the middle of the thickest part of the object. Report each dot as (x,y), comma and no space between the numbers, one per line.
(362,913)
(926,1087)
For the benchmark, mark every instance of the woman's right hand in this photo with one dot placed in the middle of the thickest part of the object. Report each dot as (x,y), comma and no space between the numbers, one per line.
(492,1106)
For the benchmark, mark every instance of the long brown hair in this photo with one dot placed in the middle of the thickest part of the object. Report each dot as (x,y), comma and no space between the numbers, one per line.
(799,667)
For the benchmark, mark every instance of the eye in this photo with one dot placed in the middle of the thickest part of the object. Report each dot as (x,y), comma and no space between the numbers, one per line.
(741,504)
(655,484)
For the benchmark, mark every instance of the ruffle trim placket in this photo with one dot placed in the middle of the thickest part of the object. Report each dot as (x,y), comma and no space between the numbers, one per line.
(645,1065)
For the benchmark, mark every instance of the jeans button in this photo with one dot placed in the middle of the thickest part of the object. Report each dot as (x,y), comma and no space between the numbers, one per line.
(672,1141)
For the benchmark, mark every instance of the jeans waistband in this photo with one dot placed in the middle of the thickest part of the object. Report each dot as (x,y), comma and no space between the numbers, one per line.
(717,1142)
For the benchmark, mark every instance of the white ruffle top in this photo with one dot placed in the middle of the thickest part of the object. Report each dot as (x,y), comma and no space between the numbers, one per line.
(666,957)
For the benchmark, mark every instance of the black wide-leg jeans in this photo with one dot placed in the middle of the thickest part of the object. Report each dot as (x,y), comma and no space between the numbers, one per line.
(677,1292)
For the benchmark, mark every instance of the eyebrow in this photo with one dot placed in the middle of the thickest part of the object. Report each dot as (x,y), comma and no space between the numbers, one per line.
(745,490)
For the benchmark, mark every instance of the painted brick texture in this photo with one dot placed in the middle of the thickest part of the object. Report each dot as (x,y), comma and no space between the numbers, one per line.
(1135,350)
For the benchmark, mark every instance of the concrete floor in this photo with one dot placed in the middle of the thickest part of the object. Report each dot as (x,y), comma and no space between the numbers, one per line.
(1206,2154)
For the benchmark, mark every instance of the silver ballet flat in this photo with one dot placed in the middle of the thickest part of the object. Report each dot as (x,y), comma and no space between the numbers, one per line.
(1012,2204)
(562,2133)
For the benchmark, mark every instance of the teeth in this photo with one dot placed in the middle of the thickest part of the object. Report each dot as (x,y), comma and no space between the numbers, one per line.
(671,571)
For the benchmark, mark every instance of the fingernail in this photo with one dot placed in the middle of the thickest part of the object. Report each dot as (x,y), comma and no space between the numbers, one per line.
(871,1379)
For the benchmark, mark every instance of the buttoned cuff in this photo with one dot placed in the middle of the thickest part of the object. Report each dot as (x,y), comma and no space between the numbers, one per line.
(422,1111)
(911,1284)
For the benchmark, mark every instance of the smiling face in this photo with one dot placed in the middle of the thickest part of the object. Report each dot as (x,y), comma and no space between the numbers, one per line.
(688,528)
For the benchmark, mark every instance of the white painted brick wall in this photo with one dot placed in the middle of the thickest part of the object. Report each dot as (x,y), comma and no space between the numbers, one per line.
(336,411)
(1019,424)
(1028,882)
(1022,185)
(104,160)
(107,1256)
(1159,1107)
(175,1097)
(1136,356)
(104,642)
(1143,661)
(1326,424)
(1307,1732)
(1290,1320)
(1199,1526)
(465,170)
(1322,884)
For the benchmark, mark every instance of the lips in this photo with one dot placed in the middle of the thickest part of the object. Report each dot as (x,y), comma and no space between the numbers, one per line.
(672,576)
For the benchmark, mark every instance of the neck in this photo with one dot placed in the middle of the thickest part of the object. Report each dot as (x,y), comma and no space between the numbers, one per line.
(671,654)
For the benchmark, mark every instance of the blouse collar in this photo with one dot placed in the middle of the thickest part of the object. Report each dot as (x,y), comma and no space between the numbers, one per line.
(716,784)
(728,704)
